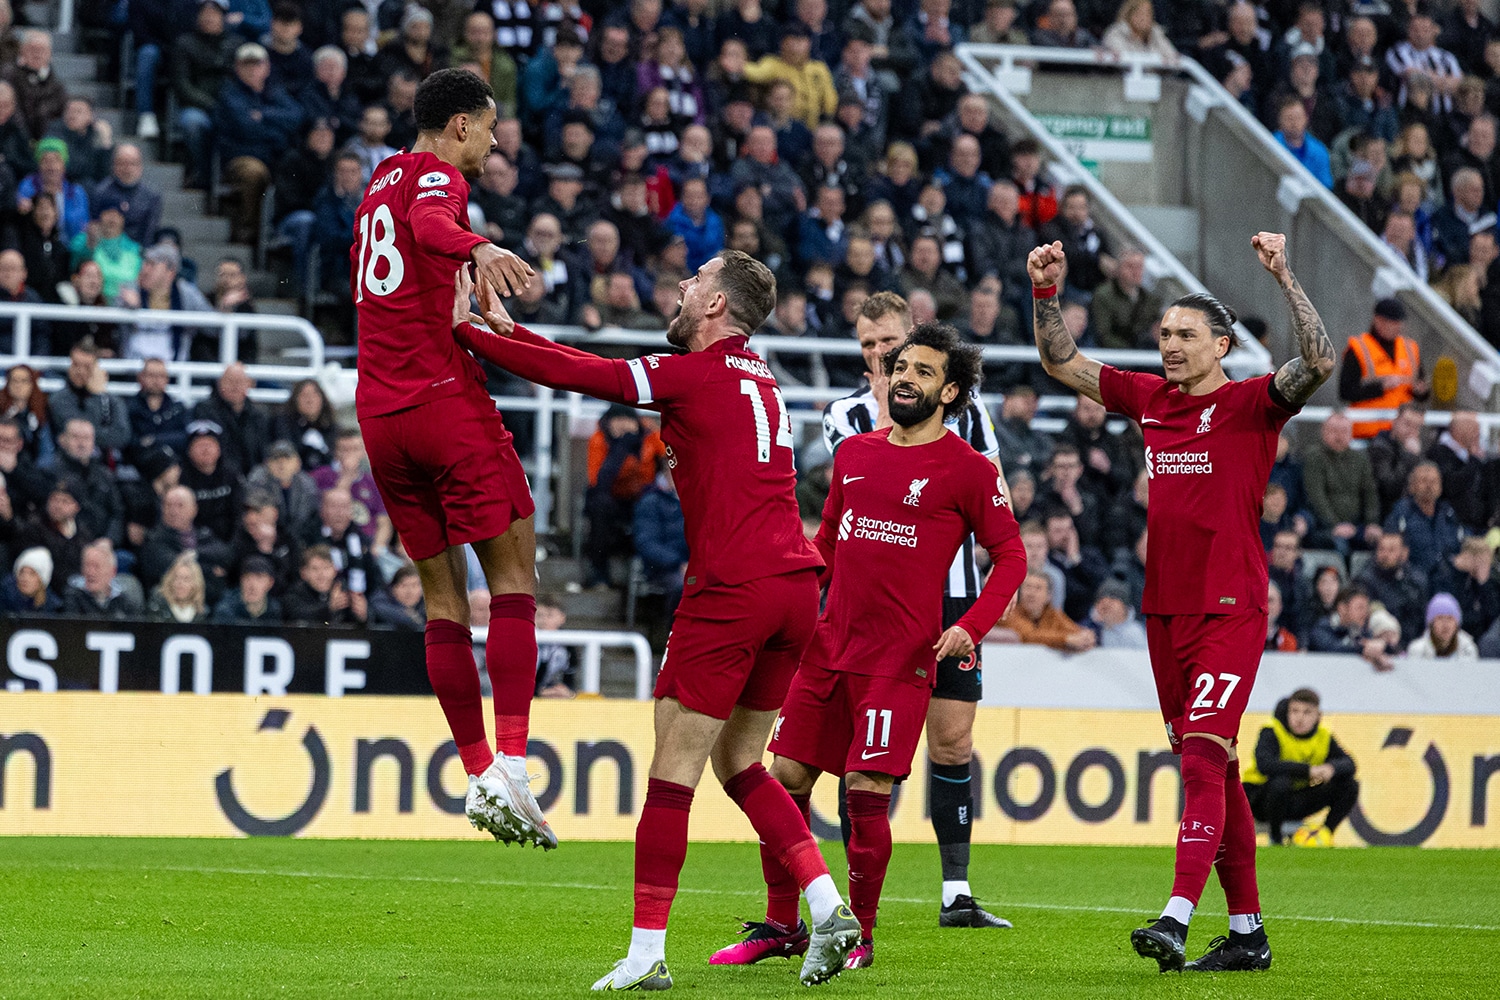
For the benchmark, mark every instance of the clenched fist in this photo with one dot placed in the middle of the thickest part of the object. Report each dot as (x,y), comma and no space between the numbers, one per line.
(1047,265)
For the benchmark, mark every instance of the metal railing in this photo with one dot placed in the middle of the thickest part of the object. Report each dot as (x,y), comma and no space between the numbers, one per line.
(593,645)
(1327,239)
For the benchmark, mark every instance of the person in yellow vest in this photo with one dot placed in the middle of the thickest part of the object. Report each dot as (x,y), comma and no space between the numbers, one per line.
(1382,368)
(1299,768)
(812,82)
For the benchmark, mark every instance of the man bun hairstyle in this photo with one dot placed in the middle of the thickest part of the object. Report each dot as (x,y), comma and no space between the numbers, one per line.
(1219,317)
(749,287)
(446,93)
(963,366)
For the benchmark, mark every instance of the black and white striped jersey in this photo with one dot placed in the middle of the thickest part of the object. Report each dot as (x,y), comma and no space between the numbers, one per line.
(1435,62)
(856,413)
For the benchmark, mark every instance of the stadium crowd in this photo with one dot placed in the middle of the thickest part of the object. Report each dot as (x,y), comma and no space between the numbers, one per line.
(836,141)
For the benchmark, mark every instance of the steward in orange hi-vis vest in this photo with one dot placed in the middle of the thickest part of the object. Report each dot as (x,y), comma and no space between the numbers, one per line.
(1382,369)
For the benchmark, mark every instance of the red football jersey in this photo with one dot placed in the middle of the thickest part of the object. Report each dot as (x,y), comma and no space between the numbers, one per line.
(894,519)
(728,438)
(1208,459)
(411,235)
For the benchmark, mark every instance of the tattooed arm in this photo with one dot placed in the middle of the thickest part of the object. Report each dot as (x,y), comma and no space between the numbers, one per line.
(1054,343)
(1299,378)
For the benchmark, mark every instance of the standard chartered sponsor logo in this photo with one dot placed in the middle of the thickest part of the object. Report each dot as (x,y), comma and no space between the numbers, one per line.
(1178,463)
(890,532)
(845,523)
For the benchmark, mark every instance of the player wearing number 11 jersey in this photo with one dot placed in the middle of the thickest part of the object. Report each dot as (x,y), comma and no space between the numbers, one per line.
(439,452)
(1210,444)
(750,595)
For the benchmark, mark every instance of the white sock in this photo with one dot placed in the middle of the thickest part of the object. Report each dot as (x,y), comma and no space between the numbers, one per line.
(1180,910)
(647,947)
(1244,923)
(822,898)
(952,890)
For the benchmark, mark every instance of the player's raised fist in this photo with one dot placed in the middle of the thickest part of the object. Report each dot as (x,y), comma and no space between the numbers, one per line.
(506,272)
(1047,265)
(1272,250)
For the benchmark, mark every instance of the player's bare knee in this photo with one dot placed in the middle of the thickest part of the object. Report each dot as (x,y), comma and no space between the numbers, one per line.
(797,778)
(869,781)
(950,748)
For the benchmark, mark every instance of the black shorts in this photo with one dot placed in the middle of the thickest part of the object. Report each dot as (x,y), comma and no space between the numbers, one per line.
(959,679)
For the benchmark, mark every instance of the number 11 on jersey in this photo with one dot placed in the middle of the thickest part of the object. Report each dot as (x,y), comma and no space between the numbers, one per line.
(755,390)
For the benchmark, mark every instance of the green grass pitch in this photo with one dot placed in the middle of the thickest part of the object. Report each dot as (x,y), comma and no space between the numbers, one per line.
(112,918)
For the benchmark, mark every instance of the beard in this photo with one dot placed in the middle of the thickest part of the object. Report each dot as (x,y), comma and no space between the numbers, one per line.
(910,414)
(682,328)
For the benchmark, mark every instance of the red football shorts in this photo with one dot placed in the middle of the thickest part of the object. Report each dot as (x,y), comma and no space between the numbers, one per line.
(840,722)
(447,471)
(739,645)
(1204,666)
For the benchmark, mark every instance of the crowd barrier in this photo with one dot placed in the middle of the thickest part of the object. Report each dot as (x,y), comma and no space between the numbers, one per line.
(298,765)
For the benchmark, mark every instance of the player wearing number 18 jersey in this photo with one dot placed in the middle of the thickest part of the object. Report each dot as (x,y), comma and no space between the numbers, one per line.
(1210,444)
(439,452)
(750,595)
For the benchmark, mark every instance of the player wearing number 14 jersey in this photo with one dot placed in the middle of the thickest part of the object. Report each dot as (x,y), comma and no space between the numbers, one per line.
(1210,444)
(439,452)
(750,595)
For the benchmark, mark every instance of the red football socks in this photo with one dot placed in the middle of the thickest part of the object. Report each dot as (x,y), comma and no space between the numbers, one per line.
(455,681)
(661,840)
(510,658)
(755,792)
(1204,763)
(869,853)
(1236,860)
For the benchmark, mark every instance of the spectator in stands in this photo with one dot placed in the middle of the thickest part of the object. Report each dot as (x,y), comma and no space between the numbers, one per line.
(659,537)
(401,605)
(44,250)
(1467,576)
(217,486)
(1357,192)
(251,603)
(1279,638)
(1113,619)
(894,188)
(28,589)
(203,61)
(1286,571)
(330,97)
(965,186)
(1306,83)
(1124,313)
(84,288)
(103,513)
(370,145)
(24,403)
(153,26)
(622,462)
(13,288)
(501,212)
(1394,452)
(350,470)
(1419,54)
(349,549)
(495,64)
(1427,522)
(84,396)
(781,192)
(1341,489)
(990,321)
(1291,122)
(89,141)
(125,186)
(1298,770)
(1443,640)
(1057,27)
(1034,537)
(333,221)
(51,178)
(1034,620)
(307,420)
(813,96)
(260,533)
(174,534)
(1087,248)
(924,270)
(156,419)
(1400,234)
(999,240)
(101,591)
(39,93)
(698,224)
(565,200)
(163,288)
(1400,587)
(320,597)
(1082,566)
(1135,31)
(291,63)
(999,25)
(1459,454)
(1066,490)
(55,527)
(554,665)
(295,492)
(413,49)
(158,471)
(1021,447)
(1465,212)
(357,42)
(106,243)
(182,595)
(1347,630)
(254,120)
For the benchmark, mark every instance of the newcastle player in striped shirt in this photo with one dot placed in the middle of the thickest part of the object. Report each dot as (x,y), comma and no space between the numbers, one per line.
(882,325)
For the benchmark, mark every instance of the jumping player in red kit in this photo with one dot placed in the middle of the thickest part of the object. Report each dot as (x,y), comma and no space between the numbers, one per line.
(440,454)
(1210,444)
(750,595)
(902,503)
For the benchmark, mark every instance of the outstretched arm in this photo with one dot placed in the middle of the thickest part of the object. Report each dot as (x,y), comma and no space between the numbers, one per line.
(1299,378)
(1047,267)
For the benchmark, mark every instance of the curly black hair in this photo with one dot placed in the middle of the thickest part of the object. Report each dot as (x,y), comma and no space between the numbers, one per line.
(964,365)
(1219,317)
(446,93)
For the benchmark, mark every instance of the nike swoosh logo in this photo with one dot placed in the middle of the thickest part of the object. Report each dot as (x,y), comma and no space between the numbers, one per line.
(1195,716)
(1195,840)
(869,756)
(1150,420)
(851,479)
